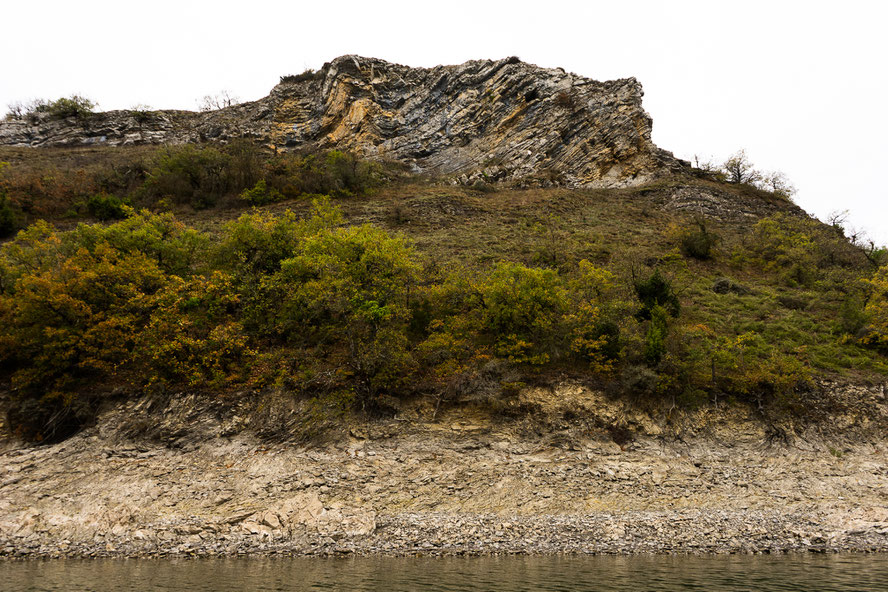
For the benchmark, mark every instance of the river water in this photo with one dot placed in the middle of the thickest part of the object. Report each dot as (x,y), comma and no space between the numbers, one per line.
(608,574)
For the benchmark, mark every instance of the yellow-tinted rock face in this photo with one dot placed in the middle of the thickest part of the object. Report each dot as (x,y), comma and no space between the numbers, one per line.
(503,119)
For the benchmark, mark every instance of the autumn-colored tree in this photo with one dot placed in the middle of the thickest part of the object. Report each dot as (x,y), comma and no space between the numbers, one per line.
(877,311)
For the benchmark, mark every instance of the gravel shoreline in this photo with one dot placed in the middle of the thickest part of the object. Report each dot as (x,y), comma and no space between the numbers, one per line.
(688,532)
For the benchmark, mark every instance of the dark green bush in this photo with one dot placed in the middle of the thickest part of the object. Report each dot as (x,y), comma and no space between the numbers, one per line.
(335,173)
(697,242)
(107,207)
(8,222)
(853,319)
(656,291)
(189,174)
(246,164)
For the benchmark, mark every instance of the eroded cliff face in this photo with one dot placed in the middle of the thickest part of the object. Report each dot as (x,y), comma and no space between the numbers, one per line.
(502,120)
(705,481)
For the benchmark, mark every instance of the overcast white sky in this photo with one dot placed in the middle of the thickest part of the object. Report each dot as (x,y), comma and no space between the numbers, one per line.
(800,85)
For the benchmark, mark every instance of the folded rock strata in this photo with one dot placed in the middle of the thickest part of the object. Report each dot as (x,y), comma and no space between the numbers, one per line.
(500,120)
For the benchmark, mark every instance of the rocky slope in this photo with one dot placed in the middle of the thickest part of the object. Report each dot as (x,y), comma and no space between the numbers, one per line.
(504,120)
(708,481)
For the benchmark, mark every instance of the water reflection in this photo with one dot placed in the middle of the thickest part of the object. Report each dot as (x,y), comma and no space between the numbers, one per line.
(607,574)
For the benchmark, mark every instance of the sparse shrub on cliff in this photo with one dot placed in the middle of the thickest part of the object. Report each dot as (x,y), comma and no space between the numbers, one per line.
(73,106)
(220,100)
(696,241)
(141,113)
(15,111)
(308,74)
(565,100)
(739,170)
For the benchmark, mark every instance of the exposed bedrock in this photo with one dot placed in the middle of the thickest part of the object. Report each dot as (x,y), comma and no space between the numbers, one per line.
(502,120)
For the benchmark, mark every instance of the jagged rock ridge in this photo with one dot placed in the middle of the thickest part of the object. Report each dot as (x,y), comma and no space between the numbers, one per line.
(503,119)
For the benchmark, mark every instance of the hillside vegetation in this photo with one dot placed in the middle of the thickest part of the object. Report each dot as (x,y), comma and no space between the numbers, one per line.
(352,286)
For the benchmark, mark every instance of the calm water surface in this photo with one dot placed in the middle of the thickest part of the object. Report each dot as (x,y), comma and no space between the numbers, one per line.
(609,574)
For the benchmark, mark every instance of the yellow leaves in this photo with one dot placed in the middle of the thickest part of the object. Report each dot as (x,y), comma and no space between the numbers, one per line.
(191,336)
(588,340)
(519,351)
(877,311)
(596,282)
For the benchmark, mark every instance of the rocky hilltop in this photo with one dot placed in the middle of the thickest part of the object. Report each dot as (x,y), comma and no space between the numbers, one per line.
(502,120)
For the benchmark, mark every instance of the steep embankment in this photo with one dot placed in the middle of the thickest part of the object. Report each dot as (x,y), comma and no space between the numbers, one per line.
(700,482)
(503,120)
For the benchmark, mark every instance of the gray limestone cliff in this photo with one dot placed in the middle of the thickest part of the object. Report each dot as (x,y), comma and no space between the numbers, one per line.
(503,120)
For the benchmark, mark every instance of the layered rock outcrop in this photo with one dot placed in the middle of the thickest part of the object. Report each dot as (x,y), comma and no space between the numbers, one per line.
(503,120)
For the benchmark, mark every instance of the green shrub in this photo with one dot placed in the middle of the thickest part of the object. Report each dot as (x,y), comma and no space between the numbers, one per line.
(802,251)
(69,321)
(190,175)
(877,312)
(656,291)
(246,164)
(346,289)
(193,336)
(74,306)
(853,318)
(176,249)
(655,337)
(255,244)
(8,221)
(697,242)
(348,175)
(73,106)
(523,309)
(308,74)
(106,207)
(261,194)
